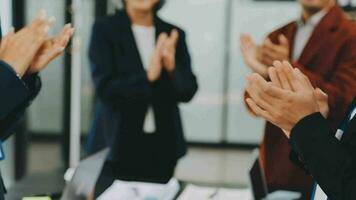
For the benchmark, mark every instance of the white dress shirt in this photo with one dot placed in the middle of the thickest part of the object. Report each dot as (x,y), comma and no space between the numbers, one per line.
(305,30)
(145,37)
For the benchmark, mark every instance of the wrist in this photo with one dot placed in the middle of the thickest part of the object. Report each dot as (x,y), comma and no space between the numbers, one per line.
(301,117)
(13,65)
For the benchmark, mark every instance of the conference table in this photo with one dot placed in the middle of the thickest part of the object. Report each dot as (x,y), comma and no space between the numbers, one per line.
(53,184)
(91,173)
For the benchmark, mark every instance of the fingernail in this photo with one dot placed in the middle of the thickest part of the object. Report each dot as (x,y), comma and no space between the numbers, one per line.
(68,25)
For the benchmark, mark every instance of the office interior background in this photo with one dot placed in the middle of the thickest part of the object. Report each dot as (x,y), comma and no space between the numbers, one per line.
(216,121)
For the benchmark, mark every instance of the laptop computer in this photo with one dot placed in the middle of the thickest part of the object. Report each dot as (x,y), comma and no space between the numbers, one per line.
(258,182)
(257,177)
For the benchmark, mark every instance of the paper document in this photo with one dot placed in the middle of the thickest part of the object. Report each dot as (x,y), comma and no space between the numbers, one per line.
(319,194)
(208,193)
(123,190)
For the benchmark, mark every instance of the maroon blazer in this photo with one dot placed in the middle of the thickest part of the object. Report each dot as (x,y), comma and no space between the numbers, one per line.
(329,60)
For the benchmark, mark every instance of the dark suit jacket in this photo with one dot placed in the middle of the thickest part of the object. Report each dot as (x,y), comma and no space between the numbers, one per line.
(332,163)
(124,93)
(329,60)
(16,95)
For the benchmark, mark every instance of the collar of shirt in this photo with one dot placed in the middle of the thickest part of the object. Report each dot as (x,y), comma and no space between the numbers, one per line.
(314,20)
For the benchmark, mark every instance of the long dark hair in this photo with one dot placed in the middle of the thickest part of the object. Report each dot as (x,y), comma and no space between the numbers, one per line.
(156,8)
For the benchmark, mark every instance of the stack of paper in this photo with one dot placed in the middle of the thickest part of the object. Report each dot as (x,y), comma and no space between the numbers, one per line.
(123,190)
(207,193)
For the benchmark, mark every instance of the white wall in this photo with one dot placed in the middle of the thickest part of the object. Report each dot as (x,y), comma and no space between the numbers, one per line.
(45,113)
(7,166)
(6,15)
(203,23)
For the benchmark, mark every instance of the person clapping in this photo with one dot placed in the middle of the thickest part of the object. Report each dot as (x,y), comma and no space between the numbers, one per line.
(290,102)
(141,69)
(23,55)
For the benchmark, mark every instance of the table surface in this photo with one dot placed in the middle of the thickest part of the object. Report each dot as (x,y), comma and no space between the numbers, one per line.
(37,184)
(53,183)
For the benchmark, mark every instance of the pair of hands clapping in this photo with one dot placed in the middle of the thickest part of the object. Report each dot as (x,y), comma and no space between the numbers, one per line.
(260,57)
(287,99)
(30,50)
(164,55)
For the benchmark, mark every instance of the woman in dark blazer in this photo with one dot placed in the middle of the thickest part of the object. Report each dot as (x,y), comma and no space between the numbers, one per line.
(128,85)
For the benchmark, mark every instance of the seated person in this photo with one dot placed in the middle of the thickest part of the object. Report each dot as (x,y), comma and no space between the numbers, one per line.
(290,102)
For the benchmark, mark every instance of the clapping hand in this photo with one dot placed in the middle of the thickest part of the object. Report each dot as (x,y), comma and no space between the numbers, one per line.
(30,49)
(51,49)
(164,56)
(155,69)
(169,51)
(18,49)
(285,100)
(251,55)
(278,77)
(270,52)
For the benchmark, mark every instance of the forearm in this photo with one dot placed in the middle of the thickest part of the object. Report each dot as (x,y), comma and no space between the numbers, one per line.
(17,95)
(13,89)
(331,164)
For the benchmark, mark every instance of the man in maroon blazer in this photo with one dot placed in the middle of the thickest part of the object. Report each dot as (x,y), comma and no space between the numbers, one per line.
(322,44)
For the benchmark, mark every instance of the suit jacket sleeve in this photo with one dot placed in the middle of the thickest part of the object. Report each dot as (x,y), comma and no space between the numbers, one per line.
(110,86)
(331,162)
(16,97)
(183,79)
(342,79)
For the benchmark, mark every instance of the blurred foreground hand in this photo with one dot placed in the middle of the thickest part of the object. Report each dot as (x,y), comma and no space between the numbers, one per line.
(30,50)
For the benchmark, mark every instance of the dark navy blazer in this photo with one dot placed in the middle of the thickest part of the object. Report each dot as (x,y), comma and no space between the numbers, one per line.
(124,93)
(16,95)
(331,162)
